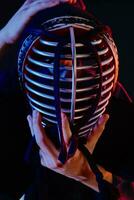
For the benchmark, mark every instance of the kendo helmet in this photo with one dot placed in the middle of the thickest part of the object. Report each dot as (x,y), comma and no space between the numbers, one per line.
(69,65)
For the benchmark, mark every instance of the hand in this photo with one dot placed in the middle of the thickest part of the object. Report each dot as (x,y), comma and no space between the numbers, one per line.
(13,29)
(76,167)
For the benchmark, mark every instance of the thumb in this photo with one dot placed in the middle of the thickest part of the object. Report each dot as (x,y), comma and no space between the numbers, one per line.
(29,119)
(66,128)
(97,132)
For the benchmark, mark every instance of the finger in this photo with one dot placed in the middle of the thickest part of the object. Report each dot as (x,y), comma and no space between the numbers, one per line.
(64,1)
(101,123)
(67,1)
(40,135)
(66,128)
(29,119)
(49,3)
(48,160)
(71,1)
(82,5)
(74,1)
(38,130)
(39,5)
(97,132)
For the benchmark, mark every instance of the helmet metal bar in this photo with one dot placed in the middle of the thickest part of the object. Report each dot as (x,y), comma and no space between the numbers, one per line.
(63,150)
(74,75)
(89,113)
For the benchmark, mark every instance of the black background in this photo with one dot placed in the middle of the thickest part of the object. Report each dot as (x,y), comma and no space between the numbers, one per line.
(118,15)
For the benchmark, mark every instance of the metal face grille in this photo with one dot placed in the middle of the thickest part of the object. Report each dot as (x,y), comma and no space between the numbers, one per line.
(80,80)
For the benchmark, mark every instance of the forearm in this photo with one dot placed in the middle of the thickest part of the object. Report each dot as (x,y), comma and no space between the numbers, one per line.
(3,44)
(2,41)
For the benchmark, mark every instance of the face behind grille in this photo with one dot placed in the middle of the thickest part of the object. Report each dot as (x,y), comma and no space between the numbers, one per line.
(87,66)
